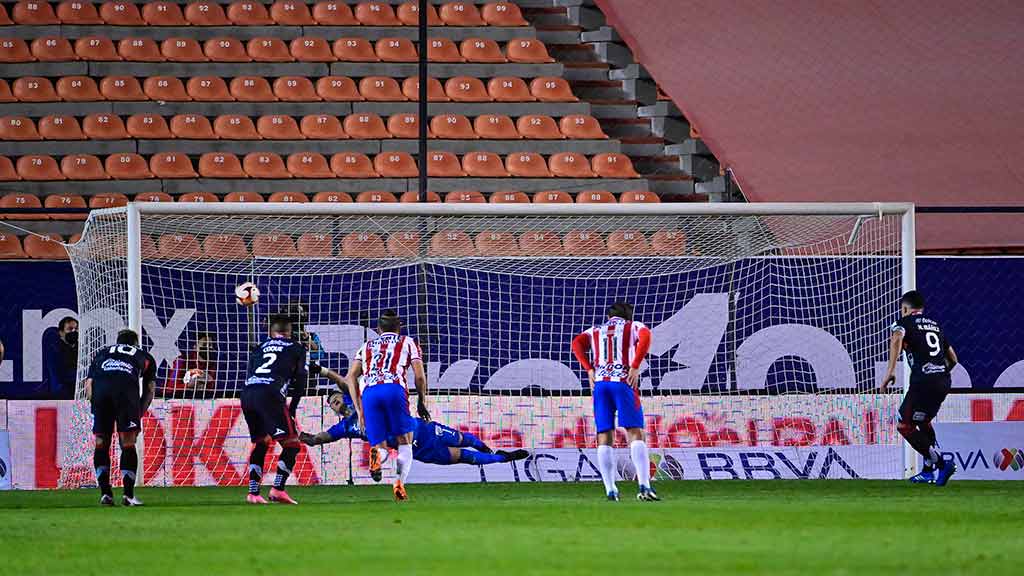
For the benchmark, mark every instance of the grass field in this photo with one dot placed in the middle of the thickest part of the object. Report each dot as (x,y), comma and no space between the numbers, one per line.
(700,528)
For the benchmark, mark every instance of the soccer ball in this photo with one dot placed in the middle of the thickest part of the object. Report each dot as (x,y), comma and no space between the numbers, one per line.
(194,376)
(247,294)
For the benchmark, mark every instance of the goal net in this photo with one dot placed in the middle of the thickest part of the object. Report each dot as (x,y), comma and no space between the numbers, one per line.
(769,327)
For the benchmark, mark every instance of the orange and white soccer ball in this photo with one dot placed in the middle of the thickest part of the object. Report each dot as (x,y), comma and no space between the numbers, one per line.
(194,376)
(247,294)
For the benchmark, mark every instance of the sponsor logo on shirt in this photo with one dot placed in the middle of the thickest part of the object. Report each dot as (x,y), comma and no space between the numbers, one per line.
(112,365)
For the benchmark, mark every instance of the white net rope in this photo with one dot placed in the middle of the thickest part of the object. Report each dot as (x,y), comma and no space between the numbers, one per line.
(763,324)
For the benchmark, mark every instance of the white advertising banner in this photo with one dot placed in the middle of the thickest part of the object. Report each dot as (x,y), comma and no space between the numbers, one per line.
(984,450)
(6,471)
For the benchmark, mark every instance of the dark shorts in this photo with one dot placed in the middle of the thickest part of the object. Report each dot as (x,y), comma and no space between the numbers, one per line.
(115,404)
(266,413)
(924,398)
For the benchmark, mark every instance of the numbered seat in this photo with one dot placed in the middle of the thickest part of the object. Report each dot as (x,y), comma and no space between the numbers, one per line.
(581,127)
(10,247)
(20,200)
(78,89)
(628,243)
(451,244)
(381,89)
(225,247)
(78,13)
(33,89)
(7,171)
(503,14)
(595,197)
(251,89)
(121,14)
(249,13)
(171,165)
(452,127)
(509,89)
(414,196)
(235,127)
(498,244)
(315,245)
(527,165)
(403,244)
(334,14)
(376,196)
(395,165)
(482,50)
(354,49)
(613,165)
(224,49)
(153,197)
(52,49)
(38,167)
(311,49)
(466,89)
(201,197)
(484,165)
(122,89)
(291,13)
(465,197)
(14,50)
(527,51)
(208,89)
(65,200)
(322,127)
(108,200)
(552,197)
(460,14)
(443,50)
(127,166)
(584,243)
(139,49)
(18,128)
(243,197)
(540,243)
(165,89)
(396,50)
(435,92)
(365,126)
(60,127)
(33,13)
(82,167)
(221,165)
(182,50)
(295,89)
(338,89)
(570,165)
(639,196)
(495,127)
(442,164)
(406,125)
(192,127)
(206,14)
(268,49)
(408,14)
(309,165)
(669,243)
(509,197)
(265,165)
(5,20)
(274,245)
(45,247)
(332,197)
(278,127)
(179,247)
(148,127)
(363,245)
(353,165)
(376,14)
(163,14)
(538,127)
(552,89)
(288,197)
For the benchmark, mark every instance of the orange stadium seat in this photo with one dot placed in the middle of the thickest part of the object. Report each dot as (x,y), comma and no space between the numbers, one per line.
(221,165)
(365,126)
(595,197)
(171,165)
(527,165)
(584,243)
(251,89)
(104,127)
(139,50)
(224,49)
(265,165)
(552,197)
(413,196)
(451,244)
(527,51)
(613,165)
(380,89)
(235,127)
(275,245)
(332,197)
(376,14)
(249,13)
(395,165)
(338,89)
(179,246)
(38,167)
(209,89)
(108,200)
(540,243)
(206,14)
(495,127)
(7,170)
(452,127)
(34,89)
(482,50)
(45,247)
(353,165)
(484,165)
(628,243)
(192,127)
(291,13)
(5,92)
(122,89)
(165,89)
(334,14)
(552,89)
(295,89)
(21,200)
(509,89)
(278,127)
(78,13)
(497,244)
(309,165)
(363,245)
(13,50)
(268,49)
(509,197)
(460,14)
(396,50)
(503,14)
(354,50)
(570,165)
(33,13)
(669,243)
(243,196)
(60,127)
(121,14)
(441,164)
(443,50)
(127,166)
(639,196)
(538,127)
(315,245)
(465,197)
(52,49)
(376,196)
(409,14)
(581,127)
(406,126)
(148,127)
(65,200)
(225,247)
(18,128)
(163,14)
(153,197)
(182,50)
(10,247)
(5,20)
(82,167)
(203,197)
(78,89)
(435,92)
(322,127)
(311,49)
(466,89)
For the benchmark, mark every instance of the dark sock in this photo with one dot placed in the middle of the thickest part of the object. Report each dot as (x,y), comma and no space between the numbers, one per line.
(285,464)
(471,441)
(101,462)
(479,458)
(129,467)
(256,458)
(919,441)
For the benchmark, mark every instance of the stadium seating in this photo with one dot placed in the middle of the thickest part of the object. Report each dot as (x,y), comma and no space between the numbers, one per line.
(179,246)
(83,167)
(278,127)
(45,247)
(408,14)
(10,246)
(460,14)
(107,200)
(414,196)
(243,197)
(538,127)
(595,197)
(265,165)
(496,244)
(274,246)
(309,165)
(484,165)
(363,245)
(495,127)
(376,196)
(65,200)
(20,200)
(60,127)
(452,126)
(153,197)
(220,165)
(224,247)
(503,14)
(334,14)
(198,197)
(628,243)
(403,244)
(366,126)
(332,197)
(315,245)
(540,243)
(452,244)
(509,197)
(406,126)
(191,127)
(18,128)
(352,165)
(235,127)
(322,127)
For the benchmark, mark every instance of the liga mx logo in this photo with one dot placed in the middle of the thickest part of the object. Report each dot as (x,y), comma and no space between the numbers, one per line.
(1012,458)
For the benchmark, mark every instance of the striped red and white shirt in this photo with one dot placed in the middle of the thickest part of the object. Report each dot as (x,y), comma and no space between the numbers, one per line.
(387,358)
(612,348)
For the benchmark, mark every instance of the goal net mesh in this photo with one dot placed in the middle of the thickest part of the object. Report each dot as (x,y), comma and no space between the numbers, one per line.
(768,331)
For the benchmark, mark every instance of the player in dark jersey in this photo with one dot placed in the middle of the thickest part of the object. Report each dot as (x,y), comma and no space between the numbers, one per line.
(112,387)
(277,368)
(931,360)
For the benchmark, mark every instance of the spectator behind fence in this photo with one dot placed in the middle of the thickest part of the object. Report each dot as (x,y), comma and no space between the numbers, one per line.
(195,373)
(60,360)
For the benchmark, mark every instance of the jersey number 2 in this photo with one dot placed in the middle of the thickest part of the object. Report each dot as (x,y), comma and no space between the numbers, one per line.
(269,359)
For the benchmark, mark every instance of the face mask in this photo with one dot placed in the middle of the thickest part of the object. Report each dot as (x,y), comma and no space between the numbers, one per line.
(71,338)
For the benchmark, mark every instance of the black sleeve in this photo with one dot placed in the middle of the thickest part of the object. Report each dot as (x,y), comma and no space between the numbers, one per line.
(300,379)
(94,366)
(901,325)
(149,368)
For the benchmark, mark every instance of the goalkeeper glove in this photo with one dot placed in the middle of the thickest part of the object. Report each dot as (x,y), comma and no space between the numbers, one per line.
(314,369)
(421,408)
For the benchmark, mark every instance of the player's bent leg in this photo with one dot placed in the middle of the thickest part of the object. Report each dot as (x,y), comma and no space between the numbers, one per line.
(101,463)
(129,466)
(465,456)
(468,440)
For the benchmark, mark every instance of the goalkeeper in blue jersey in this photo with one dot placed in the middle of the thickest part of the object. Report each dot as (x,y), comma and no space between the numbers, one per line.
(432,443)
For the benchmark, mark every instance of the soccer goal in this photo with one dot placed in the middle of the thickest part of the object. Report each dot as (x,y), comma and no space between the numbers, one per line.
(769,325)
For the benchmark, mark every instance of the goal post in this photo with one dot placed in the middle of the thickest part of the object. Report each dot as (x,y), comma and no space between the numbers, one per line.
(769,319)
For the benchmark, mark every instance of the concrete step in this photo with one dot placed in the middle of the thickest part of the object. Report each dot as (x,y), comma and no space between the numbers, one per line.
(585,71)
(559,35)
(547,16)
(613,109)
(570,53)
(642,146)
(599,90)
(626,127)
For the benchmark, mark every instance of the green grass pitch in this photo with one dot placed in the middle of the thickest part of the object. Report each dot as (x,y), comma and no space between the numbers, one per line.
(700,528)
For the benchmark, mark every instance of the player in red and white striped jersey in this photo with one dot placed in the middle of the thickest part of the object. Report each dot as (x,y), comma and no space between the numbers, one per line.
(381,401)
(611,354)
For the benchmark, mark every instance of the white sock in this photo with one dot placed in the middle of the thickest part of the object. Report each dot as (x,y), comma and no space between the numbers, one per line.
(404,461)
(606,465)
(642,462)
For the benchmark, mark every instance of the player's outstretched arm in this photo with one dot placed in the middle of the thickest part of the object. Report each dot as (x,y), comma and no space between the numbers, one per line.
(895,347)
(148,392)
(316,439)
(951,358)
(421,389)
(88,389)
